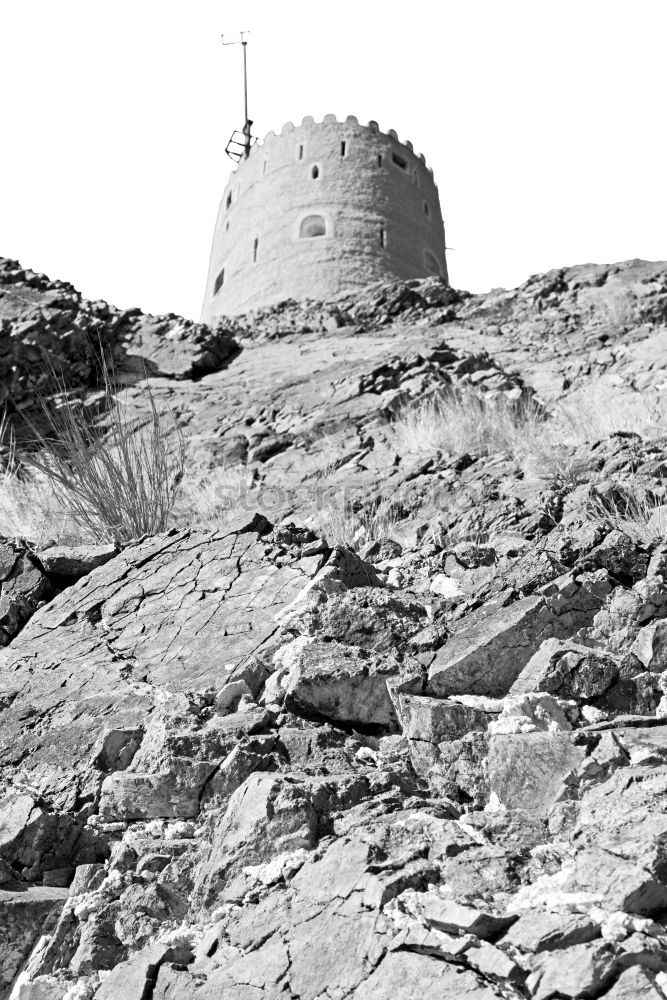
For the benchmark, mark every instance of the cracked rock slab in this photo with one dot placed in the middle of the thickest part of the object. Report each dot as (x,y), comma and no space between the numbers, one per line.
(183,611)
(180,610)
(487,657)
(422,977)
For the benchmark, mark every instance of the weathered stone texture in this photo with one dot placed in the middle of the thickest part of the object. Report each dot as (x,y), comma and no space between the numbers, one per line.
(268,766)
(24,916)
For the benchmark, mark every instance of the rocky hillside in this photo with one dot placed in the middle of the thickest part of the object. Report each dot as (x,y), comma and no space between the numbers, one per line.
(247,761)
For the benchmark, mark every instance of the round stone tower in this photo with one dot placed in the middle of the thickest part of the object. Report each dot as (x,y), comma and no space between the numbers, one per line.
(320,209)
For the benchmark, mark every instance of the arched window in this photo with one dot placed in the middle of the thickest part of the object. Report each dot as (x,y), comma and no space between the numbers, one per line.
(431,262)
(312,225)
(219,282)
(315,172)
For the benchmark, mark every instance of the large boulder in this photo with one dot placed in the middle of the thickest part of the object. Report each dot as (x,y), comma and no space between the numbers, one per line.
(344,683)
(486,655)
(427,722)
(36,840)
(568,670)
(370,617)
(527,770)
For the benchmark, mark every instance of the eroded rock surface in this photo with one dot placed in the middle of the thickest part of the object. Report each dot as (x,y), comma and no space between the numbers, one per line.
(232,773)
(243,761)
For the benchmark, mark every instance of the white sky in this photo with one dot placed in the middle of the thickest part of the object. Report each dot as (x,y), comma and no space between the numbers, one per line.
(545,124)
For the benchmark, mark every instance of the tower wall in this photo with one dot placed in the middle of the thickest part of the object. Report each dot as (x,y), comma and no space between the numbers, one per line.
(375,198)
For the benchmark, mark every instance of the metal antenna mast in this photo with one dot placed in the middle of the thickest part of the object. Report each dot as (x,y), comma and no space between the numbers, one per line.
(240,142)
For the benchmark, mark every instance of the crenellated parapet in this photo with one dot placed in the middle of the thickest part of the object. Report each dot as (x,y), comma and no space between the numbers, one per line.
(372,126)
(321,207)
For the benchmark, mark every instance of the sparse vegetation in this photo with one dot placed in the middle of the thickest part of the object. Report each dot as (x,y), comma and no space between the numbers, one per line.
(466,421)
(544,444)
(114,476)
(127,473)
(354,525)
(463,421)
(632,508)
(593,415)
(7,449)
(617,313)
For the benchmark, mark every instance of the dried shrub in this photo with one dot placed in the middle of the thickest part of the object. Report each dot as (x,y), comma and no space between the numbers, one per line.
(355,525)
(116,472)
(632,507)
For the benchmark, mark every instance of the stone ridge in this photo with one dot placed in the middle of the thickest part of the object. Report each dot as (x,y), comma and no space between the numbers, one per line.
(42,318)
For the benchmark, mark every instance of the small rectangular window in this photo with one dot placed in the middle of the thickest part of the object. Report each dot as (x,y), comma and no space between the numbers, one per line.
(254,250)
(229,200)
(219,282)
(343,147)
(427,210)
(383,236)
(379,159)
(264,167)
(399,161)
(300,152)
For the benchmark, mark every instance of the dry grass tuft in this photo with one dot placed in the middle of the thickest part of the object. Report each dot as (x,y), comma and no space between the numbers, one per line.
(210,496)
(632,508)
(596,414)
(116,478)
(544,445)
(466,421)
(354,526)
(463,421)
